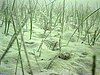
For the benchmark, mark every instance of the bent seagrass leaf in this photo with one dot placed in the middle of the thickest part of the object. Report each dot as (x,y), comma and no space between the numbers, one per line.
(82,22)
(13,38)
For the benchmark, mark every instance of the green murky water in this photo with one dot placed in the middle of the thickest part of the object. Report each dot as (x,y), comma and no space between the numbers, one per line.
(41,37)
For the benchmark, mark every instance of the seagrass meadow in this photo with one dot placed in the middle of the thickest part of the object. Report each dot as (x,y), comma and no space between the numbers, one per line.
(49,37)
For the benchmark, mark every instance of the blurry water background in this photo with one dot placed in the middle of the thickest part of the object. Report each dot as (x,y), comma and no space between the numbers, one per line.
(69,3)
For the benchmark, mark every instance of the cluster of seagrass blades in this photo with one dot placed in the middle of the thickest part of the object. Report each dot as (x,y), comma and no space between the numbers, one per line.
(19,17)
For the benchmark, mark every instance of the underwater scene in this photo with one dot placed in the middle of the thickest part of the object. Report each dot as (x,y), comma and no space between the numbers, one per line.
(49,37)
